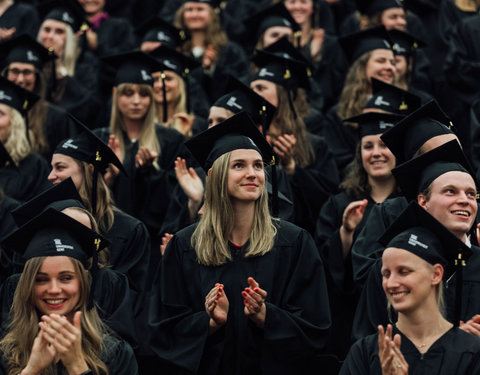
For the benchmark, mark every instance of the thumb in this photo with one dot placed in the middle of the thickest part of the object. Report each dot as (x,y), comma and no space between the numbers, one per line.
(77,318)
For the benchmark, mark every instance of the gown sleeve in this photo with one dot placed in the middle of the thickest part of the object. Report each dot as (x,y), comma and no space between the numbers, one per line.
(360,358)
(119,357)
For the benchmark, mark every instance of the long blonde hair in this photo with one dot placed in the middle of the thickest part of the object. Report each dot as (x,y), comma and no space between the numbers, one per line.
(210,238)
(17,143)
(17,344)
(148,137)
(180,105)
(214,33)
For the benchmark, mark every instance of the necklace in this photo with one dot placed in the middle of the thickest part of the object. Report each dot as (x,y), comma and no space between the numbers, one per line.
(421,346)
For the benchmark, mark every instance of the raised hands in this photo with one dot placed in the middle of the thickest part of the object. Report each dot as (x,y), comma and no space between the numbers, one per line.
(165,240)
(43,353)
(352,215)
(216,306)
(472,326)
(112,170)
(254,300)
(191,184)
(284,147)
(144,158)
(185,122)
(391,358)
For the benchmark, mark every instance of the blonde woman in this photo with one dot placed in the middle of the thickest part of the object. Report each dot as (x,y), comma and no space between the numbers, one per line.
(230,287)
(210,46)
(54,328)
(24,172)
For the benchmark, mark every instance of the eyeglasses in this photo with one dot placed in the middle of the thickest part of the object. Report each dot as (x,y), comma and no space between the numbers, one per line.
(25,72)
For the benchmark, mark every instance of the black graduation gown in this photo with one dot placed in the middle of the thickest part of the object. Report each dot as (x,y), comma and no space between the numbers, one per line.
(297,317)
(23,17)
(149,195)
(312,185)
(456,352)
(7,225)
(112,297)
(27,180)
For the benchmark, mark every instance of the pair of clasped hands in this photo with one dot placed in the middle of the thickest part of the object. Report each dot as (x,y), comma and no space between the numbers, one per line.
(216,305)
(58,340)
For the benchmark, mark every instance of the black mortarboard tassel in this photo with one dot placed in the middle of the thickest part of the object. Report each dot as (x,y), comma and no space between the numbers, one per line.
(418,232)
(410,133)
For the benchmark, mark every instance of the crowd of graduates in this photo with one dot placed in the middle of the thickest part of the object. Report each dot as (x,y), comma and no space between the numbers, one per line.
(232,187)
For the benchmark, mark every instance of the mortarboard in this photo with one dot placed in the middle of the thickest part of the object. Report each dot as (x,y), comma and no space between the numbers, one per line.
(392,99)
(410,133)
(404,43)
(237,132)
(371,123)
(133,67)
(53,233)
(15,96)
(370,7)
(356,44)
(275,15)
(156,29)
(67,11)
(418,232)
(60,196)
(25,49)
(240,97)
(283,48)
(427,167)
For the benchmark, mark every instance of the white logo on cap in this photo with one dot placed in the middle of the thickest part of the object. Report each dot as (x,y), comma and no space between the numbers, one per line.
(145,75)
(253,143)
(162,36)
(286,23)
(66,18)
(232,102)
(379,101)
(169,64)
(31,56)
(413,240)
(4,96)
(384,125)
(265,73)
(387,44)
(60,247)
(69,144)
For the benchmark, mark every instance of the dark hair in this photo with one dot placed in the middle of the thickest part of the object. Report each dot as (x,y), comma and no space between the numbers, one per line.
(355,184)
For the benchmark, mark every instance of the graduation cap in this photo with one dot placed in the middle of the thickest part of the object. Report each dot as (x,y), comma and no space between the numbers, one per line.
(371,123)
(133,67)
(53,233)
(418,232)
(60,196)
(213,3)
(427,167)
(410,133)
(89,148)
(275,15)
(284,71)
(170,59)
(392,99)
(25,49)
(356,44)
(283,48)
(370,7)
(67,11)
(240,97)
(404,43)
(156,29)
(15,96)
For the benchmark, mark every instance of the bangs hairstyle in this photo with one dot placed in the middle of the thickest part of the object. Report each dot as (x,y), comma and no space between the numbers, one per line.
(148,137)
(286,122)
(17,143)
(214,33)
(23,326)
(210,238)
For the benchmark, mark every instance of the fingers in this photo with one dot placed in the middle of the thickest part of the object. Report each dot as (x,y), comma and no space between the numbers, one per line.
(59,332)
(254,296)
(212,297)
(145,157)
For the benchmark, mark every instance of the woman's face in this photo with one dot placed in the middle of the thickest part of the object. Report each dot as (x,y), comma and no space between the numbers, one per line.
(23,74)
(408,281)
(394,18)
(217,115)
(401,67)
(266,90)
(134,101)
(196,16)
(92,7)
(301,10)
(5,122)
(57,286)
(377,159)
(246,176)
(53,35)
(64,166)
(381,65)
(274,33)
(172,86)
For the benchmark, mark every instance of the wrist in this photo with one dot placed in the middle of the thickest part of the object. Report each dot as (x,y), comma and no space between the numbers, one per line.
(79,368)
